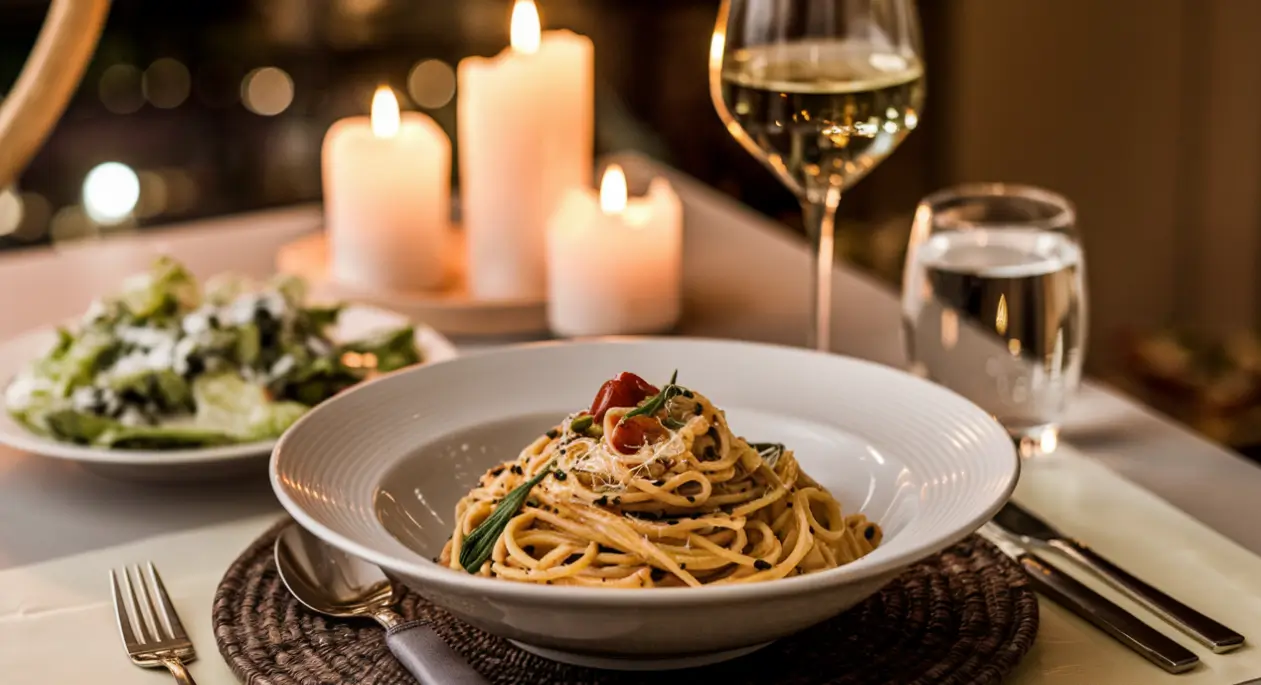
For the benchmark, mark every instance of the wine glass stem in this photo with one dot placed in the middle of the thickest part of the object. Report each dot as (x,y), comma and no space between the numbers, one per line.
(819,213)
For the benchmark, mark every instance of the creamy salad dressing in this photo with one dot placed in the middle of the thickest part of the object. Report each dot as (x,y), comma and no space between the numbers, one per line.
(24,388)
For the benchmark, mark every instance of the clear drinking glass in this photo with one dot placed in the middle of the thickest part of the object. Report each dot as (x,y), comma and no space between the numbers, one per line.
(994,303)
(821,91)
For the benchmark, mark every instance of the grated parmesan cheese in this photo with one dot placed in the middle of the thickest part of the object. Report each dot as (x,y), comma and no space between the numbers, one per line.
(608,468)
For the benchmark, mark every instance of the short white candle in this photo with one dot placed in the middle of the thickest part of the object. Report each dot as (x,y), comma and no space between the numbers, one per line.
(615,264)
(526,127)
(387,198)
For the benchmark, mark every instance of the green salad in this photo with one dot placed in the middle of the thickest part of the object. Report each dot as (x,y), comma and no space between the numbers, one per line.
(166,364)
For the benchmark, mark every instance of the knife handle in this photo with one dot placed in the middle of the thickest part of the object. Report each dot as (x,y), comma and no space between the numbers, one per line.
(1205,630)
(1126,628)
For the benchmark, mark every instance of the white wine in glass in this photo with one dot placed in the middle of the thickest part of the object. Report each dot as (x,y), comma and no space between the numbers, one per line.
(821,91)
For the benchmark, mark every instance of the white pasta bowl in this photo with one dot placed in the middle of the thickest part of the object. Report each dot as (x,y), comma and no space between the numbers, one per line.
(378,470)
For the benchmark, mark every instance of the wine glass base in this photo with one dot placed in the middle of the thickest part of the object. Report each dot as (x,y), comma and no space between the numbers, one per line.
(1036,441)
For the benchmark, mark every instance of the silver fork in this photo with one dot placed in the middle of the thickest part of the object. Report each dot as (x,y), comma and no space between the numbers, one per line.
(151,630)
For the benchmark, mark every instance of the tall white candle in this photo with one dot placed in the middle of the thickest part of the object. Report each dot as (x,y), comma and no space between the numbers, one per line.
(526,127)
(615,264)
(387,198)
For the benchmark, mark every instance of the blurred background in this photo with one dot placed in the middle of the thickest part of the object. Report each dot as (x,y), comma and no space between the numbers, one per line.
(1144,112)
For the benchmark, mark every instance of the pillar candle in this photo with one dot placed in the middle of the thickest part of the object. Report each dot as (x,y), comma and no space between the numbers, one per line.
(526,129)
(387,198)
(615,265)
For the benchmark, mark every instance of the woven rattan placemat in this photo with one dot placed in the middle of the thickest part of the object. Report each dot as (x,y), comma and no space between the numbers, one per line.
(963,616)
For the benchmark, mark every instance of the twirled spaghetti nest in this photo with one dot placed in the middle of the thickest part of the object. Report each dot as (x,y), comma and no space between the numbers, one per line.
(692,505)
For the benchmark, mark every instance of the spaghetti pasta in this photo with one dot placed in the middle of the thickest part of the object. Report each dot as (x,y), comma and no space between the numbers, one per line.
(650,488)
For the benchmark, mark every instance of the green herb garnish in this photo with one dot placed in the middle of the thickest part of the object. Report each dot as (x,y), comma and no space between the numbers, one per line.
(654,404)
(769,451)
(582,423)
(480,543)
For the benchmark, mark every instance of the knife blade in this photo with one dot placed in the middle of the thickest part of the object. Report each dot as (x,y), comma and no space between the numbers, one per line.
(1096,609)
(1034,532)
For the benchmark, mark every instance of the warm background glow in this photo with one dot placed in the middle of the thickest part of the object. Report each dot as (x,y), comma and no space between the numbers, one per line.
(110,192)
(526,29)
(166,83)
(267,91)
(10,211)
(384,113)
(613,190)
(431,83)
(120,89)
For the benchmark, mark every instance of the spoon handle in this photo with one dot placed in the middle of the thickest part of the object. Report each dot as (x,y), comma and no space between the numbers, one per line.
(430,660)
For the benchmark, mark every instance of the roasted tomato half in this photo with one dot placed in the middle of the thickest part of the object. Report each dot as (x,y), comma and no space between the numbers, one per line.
(625,390)
(633,433)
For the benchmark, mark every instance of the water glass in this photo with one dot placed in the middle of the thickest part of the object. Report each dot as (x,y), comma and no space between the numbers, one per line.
(994,303)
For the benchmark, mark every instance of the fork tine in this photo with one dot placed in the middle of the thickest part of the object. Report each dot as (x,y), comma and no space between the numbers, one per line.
(120,611)
(144,623)
(176,628)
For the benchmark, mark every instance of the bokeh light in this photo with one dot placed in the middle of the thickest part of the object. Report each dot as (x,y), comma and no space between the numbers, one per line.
(110,193)
(431,83)
(267,91)
(70,224)
(36,213)
(361,8)
(1050,440)
(120,89)
(10,211)
(166,83)
(181,190)
(153,194)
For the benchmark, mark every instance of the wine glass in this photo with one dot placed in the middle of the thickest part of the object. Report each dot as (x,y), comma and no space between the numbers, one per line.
(994,303)
(821,91)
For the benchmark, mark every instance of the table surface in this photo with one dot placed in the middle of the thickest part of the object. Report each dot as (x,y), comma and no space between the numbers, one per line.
(745,277)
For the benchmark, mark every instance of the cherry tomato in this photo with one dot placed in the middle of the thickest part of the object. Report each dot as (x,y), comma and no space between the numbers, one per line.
(626,390)
(635,432)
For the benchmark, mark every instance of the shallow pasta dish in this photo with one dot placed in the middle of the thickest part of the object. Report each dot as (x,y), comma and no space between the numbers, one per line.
(650,488)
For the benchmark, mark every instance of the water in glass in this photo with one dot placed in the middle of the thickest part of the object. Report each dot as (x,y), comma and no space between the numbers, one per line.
(994,304)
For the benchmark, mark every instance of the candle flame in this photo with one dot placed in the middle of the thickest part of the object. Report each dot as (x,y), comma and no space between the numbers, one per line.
(526,32)
(385,113)
(613,191)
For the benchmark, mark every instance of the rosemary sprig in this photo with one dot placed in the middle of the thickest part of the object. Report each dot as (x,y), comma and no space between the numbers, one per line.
(480,543)
(654,404)
(769,451)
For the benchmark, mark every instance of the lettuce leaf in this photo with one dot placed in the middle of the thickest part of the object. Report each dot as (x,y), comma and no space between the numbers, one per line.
(165,291)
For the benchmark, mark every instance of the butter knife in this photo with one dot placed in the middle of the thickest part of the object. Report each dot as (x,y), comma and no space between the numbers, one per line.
(1036,533)
(1123,626)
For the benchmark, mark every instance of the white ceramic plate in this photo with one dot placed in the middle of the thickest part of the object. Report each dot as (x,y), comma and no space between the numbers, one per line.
(378,471)
(228,460)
